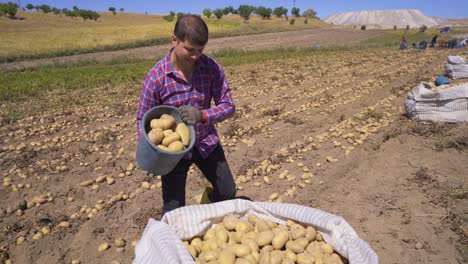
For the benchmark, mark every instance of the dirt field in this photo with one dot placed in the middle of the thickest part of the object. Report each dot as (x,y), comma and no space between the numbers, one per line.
(401,185)
(292,39)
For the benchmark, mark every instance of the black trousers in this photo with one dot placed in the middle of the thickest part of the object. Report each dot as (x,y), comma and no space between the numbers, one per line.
(215,169)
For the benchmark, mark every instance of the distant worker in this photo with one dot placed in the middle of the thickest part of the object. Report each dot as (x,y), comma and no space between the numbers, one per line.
(422,44)
(433,41)
(452,43)
(464,42)
(403,44)
(442,43)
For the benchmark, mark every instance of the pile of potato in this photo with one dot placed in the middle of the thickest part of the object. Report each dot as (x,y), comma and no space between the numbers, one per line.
(168,135)
(256,240)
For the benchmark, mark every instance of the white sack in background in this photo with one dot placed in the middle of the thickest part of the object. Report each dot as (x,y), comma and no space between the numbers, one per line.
(448,105)
(456,71)
(162,241)
(456,60)
(456,67)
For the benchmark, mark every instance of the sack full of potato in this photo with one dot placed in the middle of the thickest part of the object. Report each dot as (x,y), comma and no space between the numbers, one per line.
(240,231)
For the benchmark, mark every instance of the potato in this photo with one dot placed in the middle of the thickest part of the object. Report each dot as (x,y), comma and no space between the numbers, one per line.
(265,258)
(305,258)
(250,242)
(267,248)
(193,251)
(257,240)
(280,239)
(164,147)
(210,234)
(294,247)
(289,254)
(290,223)
(156,136)
(20,240)
(103,247)
(210,244)
(227,256)
(176,146)
(183,130)
(252,235)
(85,183)
(318,237)
(326,248)
(251,259)
(314,246)
(119,242)
(334,259)
(174,136)
(319,260)
(242,261)
(230,222)
(311,233)
(222,235)
(273,196)
(256,256)
(271,224)
(303,241)
(264,238)
(297,231)
(209,255)
(277,257)
(167,132)
(164,123)
(244,226)
(252,219)
(167,116)
(241,250)
(237,236)
(262,225)
(196,242)
(231,240)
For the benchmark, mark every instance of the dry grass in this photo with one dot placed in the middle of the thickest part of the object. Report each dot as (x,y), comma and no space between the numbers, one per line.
(429,130)
(459,143)
(36,32)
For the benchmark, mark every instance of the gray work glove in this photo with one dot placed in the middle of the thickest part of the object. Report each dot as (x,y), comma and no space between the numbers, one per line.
(190,115)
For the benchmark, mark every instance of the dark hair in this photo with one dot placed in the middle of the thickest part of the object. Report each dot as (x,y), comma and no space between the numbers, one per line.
(191,28)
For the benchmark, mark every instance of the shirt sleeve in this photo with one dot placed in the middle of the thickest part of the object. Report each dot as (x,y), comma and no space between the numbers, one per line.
(224,104)
(148,98)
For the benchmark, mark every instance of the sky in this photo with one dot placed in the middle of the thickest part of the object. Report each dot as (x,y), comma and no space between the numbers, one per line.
(324,8)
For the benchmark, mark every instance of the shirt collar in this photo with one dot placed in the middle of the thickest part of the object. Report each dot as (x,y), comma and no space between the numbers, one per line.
(169,67)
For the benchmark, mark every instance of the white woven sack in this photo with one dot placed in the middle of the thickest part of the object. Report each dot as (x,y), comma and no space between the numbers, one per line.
(449,105)
(456,60)
(162,241)
(456,71)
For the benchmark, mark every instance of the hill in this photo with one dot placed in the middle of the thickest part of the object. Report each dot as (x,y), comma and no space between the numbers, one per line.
(39,33)
(384,19)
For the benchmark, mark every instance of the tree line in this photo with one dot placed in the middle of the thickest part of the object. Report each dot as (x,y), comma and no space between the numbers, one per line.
(10,9)
(245,11)
(74,12)
(265,12)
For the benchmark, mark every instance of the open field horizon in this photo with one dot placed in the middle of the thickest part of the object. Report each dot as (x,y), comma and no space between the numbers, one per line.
(42,33)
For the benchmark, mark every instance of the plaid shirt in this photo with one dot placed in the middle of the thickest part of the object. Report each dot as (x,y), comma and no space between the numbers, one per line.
(164,86)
